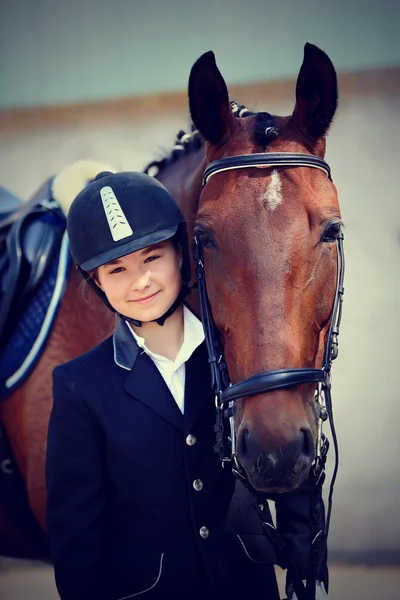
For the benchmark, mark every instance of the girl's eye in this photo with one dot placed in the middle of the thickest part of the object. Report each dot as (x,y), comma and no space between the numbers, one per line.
(116,270)
(151,258)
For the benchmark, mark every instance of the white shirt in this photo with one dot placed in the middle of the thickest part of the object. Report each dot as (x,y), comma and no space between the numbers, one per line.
(173,371)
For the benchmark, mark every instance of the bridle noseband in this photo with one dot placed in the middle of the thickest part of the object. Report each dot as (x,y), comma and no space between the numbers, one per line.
(227,393)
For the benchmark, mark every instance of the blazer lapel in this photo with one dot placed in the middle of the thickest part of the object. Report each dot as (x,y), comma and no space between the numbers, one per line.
(198,393)
(145,383)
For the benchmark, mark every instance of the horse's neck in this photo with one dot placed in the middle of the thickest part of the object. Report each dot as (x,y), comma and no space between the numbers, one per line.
(183,180)
(86,317)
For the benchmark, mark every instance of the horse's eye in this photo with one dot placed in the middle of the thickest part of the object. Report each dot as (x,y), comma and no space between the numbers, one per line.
(205,238)
(331,233)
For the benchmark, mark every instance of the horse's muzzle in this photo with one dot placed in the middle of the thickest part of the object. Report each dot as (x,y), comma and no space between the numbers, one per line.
(280,470)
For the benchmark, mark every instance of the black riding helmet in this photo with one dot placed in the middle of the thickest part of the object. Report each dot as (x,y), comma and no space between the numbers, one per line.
(120,213)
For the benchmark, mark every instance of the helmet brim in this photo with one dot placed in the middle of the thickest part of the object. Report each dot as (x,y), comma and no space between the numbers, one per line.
(147,240)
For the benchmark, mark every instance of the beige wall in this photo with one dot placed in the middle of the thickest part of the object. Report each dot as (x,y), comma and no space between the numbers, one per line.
(363,154)
(54,52)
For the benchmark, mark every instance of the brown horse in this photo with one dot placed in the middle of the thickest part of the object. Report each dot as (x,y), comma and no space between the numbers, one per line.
(271,267)
(269,236)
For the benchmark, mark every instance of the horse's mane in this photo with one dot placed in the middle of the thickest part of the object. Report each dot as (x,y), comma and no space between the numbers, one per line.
(71,180)
(265,131)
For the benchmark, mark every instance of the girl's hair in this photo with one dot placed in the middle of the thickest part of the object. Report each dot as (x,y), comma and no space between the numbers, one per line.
(176,243)
(93,274)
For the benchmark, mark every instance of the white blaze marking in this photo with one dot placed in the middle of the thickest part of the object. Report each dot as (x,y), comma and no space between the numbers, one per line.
(273,195)
(116,219)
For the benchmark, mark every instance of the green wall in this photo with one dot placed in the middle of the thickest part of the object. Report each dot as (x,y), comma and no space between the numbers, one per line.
(57,52)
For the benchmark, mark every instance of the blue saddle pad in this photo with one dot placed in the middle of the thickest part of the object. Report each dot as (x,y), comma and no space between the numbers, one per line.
(28,340)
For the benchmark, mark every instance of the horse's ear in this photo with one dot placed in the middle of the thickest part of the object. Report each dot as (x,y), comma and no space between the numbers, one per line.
(209,100)
(316,93)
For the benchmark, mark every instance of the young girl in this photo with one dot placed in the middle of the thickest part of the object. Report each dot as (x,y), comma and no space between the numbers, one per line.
(137,501)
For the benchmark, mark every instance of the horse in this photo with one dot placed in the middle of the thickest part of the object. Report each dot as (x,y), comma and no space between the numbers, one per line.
(260,201)
(266,233)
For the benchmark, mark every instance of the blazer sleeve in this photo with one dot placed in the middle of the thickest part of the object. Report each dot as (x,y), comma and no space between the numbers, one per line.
(75,494)
(293,523)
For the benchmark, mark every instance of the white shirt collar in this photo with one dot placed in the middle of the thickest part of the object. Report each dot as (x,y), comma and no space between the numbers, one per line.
(193,336)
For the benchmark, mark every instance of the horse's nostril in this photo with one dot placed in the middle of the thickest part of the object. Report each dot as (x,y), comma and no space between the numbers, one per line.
(246,445)
(308,449)
(252,449)
(300,445)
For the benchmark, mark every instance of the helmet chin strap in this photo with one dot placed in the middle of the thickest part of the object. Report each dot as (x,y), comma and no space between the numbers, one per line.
(185,290)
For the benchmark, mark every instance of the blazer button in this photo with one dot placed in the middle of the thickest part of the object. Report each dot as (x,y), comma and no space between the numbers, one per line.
(198,485)
(190,440)
(204,532)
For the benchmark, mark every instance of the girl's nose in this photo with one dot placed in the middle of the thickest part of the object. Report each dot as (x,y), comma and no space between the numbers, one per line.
(142,282)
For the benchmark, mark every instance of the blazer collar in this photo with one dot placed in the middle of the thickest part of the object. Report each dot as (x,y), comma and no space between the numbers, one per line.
(126,349)
(144,382)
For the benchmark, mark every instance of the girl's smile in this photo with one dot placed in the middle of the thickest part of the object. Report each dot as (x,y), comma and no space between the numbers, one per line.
(146,299)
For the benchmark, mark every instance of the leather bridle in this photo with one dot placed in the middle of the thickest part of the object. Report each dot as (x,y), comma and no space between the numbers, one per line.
(226,393)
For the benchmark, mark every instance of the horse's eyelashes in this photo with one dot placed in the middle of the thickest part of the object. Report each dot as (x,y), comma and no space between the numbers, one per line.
(331,233)
(208,242)
(206,239)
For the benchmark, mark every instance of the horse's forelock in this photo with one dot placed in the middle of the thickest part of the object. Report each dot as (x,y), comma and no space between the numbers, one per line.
(265,131)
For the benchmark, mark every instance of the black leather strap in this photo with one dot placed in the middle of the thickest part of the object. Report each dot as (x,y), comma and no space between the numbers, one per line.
(270,381)
(273,159)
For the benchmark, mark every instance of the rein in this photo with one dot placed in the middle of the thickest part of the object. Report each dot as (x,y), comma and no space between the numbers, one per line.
(227,393)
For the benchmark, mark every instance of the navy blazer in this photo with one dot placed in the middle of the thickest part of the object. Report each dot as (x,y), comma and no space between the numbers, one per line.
(137,502)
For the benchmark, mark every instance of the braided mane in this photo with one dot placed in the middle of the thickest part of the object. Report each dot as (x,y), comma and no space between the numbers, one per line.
(264,132)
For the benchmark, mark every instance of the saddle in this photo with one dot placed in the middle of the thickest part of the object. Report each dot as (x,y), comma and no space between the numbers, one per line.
(30,235)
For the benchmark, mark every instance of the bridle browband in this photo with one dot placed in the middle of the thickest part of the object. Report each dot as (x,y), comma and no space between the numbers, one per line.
(227,393)
(272,159)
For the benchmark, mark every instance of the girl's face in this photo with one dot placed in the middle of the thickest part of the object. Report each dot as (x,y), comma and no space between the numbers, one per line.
(144,284)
